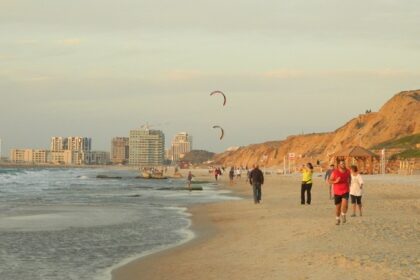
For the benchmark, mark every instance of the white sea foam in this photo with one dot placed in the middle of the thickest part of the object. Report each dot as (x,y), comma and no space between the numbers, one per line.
(53,218)
(71,228)
(186,232)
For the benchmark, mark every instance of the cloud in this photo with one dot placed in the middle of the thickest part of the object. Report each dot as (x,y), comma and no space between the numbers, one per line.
(183,75)
(339,73)
(284,74)
(38,78)
(392,73)
(373,73)
(28,42)
(70,42)
(4,56)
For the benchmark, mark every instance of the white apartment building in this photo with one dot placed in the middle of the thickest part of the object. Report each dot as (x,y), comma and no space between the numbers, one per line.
(58,144)
(35,156)
(181,144)
(79,144)
(71,150)
(146,147)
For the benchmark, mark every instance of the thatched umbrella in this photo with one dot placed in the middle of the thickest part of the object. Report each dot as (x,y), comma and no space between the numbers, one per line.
(356,156)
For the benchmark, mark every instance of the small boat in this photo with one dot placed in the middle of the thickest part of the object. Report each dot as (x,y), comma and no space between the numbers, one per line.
(151,175)
(146,175)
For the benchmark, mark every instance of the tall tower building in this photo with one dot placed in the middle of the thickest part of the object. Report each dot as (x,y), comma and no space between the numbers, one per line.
(71,150)
(80,144)
(146,147)
(119,150)
(181,144)
(58,144)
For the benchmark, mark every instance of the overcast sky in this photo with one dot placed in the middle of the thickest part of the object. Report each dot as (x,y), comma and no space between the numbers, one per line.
(99,68)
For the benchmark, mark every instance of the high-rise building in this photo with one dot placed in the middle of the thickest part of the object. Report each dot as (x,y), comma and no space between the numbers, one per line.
(146,147)
(181,144)
(58,144)
(80,144)
(71,150)
(120,150)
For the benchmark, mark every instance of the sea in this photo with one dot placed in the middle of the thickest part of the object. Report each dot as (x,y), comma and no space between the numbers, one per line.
(64,223)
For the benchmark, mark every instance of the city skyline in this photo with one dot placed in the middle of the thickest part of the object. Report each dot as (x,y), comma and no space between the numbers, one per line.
(61,142)
(285,67)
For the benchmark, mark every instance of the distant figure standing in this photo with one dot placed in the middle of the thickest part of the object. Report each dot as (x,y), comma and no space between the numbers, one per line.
(217,172)
(340,178)
(256,179)
(356,190)
(238,173)
(307,171)
(231,175)
(327,180)
(189,179)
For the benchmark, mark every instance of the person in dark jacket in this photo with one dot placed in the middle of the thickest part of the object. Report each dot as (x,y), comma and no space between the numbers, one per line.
(256,179)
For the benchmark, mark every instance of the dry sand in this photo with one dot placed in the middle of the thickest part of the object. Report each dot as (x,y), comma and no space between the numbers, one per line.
(281,239)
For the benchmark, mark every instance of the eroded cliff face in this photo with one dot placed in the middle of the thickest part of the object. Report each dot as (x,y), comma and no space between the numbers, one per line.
(399,117)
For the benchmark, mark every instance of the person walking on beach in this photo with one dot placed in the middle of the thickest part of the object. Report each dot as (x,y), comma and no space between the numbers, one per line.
(356,189)
(327,179)
(238,172)
(217,172)
(256,179)
(189,179)
(340,178)
(231,176)
(307,171)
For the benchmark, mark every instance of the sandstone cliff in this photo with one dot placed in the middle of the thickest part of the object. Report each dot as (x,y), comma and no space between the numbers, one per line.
(399,117)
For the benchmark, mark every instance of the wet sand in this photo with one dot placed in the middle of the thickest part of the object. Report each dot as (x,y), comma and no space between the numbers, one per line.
(282,239)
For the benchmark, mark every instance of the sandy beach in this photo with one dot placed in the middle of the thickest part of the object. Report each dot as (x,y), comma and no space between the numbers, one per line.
(282,239)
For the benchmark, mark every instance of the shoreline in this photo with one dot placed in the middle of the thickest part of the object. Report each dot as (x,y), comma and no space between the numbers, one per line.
(200,227)
(33,165)
(281,239)
(190,236)
(201,230)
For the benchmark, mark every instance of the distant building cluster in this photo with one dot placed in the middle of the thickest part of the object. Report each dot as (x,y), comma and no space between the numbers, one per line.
(63,150)
(143,147)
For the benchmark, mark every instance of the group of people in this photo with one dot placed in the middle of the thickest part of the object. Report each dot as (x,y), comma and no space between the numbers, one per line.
(235,172)
(342,185)
(254,176)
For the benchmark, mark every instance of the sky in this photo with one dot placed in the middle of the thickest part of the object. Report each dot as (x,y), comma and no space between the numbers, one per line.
(99,68)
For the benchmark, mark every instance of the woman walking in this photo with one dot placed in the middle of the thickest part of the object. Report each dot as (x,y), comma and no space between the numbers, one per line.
(356,189)
(307,171)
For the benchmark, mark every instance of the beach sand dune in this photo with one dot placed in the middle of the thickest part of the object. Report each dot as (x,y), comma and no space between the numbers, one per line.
(281,239)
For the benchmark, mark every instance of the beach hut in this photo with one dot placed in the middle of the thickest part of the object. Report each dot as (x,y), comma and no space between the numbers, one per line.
(364,159)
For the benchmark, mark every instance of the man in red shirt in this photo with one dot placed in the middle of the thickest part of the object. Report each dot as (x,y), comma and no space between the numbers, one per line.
(340,178)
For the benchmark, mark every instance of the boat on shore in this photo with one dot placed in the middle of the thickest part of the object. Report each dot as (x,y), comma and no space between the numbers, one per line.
(151,175)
